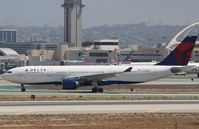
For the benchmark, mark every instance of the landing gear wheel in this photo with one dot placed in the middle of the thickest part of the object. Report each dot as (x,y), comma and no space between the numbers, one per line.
(100,90)
(23,89)
(97,89)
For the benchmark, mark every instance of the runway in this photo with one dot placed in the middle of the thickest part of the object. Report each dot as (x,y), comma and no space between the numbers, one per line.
(98,107)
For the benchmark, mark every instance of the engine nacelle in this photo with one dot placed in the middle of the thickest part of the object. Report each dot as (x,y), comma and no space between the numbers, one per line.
(70,84)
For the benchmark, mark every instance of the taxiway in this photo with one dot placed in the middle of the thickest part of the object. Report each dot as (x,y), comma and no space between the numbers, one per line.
(98,107)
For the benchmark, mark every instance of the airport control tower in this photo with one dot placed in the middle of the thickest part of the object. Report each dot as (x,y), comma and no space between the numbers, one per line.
(73,22)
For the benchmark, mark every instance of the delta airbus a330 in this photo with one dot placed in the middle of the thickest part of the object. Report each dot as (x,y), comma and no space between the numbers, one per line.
(72,77)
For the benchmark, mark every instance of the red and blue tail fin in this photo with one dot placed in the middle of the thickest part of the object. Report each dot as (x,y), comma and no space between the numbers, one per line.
(182,53)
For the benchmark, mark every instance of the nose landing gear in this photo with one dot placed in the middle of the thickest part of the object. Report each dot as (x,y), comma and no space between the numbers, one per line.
(23,89)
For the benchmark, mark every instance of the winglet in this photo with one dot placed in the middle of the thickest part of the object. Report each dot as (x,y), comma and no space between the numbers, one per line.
(128,70)
(182,53)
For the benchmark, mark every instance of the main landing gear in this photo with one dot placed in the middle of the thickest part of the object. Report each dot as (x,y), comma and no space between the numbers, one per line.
(23,89)
(97,90)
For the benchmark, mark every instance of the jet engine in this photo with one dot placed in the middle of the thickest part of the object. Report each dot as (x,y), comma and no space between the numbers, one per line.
(70,84)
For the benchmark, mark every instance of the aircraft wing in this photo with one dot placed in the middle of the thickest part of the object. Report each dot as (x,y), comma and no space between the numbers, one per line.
(176,69)
(100,76)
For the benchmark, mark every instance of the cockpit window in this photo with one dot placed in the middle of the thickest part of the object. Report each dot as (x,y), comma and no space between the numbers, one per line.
(9,72)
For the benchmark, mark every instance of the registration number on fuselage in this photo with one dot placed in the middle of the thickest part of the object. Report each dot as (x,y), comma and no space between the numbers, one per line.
(143,70)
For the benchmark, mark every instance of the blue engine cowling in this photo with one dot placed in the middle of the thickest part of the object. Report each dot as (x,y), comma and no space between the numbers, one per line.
(70,84)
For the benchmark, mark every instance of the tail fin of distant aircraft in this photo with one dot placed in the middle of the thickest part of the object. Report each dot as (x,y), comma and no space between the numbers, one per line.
(129,57)
(182,53)
(82,56)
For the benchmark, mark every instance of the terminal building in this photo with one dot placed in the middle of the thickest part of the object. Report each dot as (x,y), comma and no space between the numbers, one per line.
(9,58)
(101,51)
(106,44)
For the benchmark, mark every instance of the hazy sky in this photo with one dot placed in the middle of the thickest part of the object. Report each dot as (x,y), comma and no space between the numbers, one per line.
(100,12)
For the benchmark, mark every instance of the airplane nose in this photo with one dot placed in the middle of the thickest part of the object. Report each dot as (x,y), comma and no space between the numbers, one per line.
(4,76)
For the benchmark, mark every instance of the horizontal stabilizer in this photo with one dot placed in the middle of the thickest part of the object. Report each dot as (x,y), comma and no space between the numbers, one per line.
(181,69)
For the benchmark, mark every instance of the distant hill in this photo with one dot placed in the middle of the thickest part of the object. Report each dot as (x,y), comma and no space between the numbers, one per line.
(141,34)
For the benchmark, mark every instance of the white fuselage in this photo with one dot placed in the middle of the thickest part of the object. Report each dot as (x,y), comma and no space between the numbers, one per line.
(48,74)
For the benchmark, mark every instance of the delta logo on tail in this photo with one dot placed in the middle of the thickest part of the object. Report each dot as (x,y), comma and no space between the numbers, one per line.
(182,53)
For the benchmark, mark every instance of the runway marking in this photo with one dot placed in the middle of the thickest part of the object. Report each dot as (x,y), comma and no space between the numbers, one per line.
(154,111)
(27,110)
(24,113)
